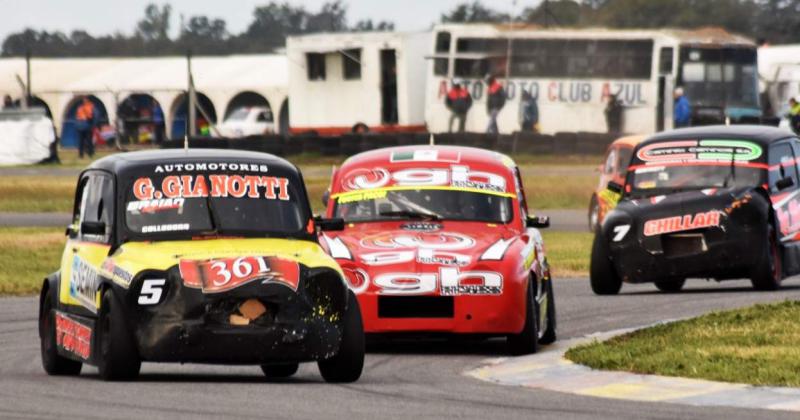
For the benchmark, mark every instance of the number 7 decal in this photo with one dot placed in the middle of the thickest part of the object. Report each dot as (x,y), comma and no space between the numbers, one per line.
(620,232)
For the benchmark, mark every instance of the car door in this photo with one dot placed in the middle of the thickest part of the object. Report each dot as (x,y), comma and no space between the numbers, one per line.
(89,241)
(784,189)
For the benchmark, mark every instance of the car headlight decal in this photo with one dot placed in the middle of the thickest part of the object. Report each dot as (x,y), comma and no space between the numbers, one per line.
(337,248)
(496,251)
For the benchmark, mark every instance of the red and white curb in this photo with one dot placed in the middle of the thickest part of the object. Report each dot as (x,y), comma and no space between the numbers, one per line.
(549,370)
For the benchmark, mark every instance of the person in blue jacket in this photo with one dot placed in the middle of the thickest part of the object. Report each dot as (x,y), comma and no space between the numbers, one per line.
(682,114)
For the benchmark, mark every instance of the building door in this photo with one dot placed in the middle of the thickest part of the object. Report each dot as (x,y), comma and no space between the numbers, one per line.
(389,87)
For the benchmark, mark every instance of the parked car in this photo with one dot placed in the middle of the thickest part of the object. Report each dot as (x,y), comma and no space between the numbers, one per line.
(716,202)
(614,168)
(439,240)
(248,121)
(199,256)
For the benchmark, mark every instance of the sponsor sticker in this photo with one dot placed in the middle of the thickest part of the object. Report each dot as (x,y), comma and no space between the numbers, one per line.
(197,186)
(83,283)
(702,150)
(221,275)
(73,336)
(681,223)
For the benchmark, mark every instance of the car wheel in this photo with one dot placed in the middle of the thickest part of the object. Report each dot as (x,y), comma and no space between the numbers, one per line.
(602,274)
(670,285)
(53,363)
(348,363)
(280,371)
(527,341)
(768,271)
(549,335)
(117,359)
(594,215)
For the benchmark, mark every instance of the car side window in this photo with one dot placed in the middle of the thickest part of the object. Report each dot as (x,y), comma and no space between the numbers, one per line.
(782,164)
(97,205)
(523,202)
(611,160)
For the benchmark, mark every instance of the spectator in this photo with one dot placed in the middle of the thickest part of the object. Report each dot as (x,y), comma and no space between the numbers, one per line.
(613,113)
(794,115)
(495,102)
(458,101)
(84,124)
(158,121)
(529,113)
(8,103)
(682,113)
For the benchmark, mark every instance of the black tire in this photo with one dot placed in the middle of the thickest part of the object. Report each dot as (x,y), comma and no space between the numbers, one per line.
(527,341)
(549,335)
(602,274)
(670,285)
(594,214)
(117,357)
(52,362)
(360,128)
(768,271)
(280,371)
(348,363)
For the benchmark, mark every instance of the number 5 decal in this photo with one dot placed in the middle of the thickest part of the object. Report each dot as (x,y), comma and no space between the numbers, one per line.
(620,232)
(151,291)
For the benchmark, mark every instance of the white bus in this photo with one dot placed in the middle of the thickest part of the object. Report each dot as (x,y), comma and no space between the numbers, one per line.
(572,73)
(779,71)
(357,82)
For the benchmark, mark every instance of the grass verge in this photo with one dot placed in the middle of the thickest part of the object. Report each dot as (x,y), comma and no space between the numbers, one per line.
(759,345)
(27,255)
(37,194)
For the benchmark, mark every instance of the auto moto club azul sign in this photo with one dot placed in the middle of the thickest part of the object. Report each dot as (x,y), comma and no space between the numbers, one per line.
(562,91)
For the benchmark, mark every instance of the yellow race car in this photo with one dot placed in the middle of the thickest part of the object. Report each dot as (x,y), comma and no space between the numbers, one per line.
(201,256)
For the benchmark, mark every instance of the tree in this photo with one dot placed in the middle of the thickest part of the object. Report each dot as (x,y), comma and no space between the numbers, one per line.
(155,24)
(558,12)
(368,25)
(472,13)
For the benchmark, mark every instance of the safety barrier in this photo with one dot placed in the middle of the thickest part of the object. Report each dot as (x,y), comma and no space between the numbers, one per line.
(581,143)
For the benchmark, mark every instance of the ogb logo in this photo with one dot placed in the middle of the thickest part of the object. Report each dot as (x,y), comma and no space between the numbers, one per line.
(365,179)
(445,241)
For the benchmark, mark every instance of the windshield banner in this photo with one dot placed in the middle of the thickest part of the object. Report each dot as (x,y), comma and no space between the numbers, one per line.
(172,189)
(702,150)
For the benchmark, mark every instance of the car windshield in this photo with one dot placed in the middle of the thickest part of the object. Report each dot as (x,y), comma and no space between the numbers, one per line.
(238,201)
(239,115)
(424,204)
(677,165)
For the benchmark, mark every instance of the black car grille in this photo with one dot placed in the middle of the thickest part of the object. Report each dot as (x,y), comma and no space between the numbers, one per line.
(415,307)
(683,244)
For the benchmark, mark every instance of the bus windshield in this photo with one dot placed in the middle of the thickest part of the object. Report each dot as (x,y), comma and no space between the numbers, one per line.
(720,77)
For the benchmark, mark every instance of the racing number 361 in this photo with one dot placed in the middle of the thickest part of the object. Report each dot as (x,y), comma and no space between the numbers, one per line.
(240,269)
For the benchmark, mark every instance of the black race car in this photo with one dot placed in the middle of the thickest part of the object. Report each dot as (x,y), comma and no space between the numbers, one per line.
(203,256)
(715,202)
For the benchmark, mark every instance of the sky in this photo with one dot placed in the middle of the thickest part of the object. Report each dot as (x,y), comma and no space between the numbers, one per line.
(99,17)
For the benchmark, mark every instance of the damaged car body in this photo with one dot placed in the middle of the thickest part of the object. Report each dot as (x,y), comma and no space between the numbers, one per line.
(715,202)
(199,256)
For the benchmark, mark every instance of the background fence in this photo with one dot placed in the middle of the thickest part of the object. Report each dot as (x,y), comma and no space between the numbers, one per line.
(580,143)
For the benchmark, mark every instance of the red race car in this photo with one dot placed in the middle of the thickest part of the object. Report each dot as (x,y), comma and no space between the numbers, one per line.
(438,240)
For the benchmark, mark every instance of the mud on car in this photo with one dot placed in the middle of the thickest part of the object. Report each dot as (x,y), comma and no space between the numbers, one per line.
(201,256)
(715,202)
(439,241)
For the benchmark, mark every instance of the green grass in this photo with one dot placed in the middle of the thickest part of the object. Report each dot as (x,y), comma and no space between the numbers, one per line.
(759,345)
(27,255)
(37,194)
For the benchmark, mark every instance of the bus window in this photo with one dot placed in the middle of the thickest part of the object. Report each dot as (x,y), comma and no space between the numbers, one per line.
(606,59)
(443,42)
(665,61)
(441,66)
(351,62)
(315,63)
(720,77)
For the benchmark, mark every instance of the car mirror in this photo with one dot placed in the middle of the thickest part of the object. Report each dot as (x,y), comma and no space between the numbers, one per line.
(71,231)
(784,183)
(332,224)
(325,197)
(540,222)
(93,228)
(615,187)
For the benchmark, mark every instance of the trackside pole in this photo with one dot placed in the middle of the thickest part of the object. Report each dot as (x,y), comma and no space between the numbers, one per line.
(431,140)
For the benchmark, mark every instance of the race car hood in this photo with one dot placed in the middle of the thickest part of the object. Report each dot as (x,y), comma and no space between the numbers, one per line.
(134,257)
(369,250)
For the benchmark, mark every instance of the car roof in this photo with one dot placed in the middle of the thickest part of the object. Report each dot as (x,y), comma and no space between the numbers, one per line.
(630,140)
(466,155)
(762,134)
(122,162)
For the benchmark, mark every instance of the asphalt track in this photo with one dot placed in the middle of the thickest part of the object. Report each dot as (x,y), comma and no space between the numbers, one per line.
(420,380)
